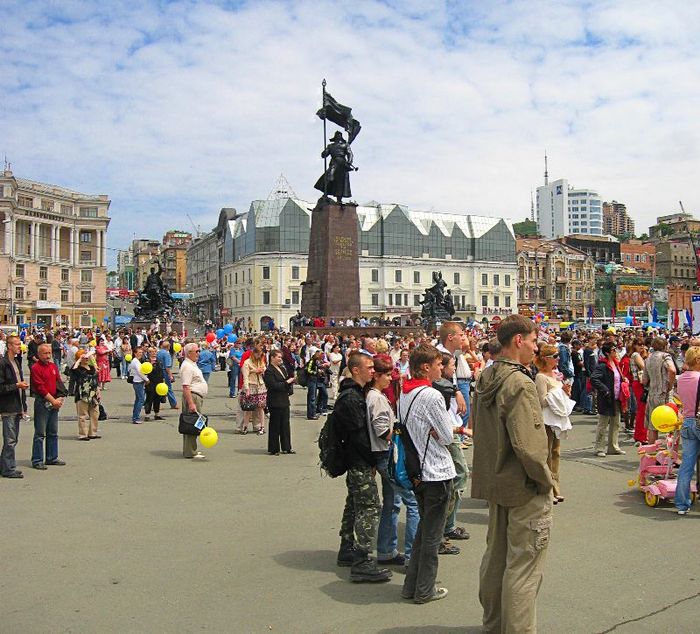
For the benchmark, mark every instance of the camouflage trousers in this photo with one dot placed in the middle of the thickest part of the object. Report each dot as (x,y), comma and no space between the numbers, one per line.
(362,509)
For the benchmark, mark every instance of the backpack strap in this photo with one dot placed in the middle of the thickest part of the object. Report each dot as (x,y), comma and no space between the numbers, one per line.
(697,401)
(427,442)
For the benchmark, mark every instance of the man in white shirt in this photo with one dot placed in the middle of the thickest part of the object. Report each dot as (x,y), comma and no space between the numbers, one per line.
(194,390)
(140,380)
(431,428)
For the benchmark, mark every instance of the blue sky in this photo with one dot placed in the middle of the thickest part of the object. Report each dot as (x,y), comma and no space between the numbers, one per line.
(186,107)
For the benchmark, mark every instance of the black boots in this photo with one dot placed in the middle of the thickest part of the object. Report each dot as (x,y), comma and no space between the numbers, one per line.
(364,568)
(346,554)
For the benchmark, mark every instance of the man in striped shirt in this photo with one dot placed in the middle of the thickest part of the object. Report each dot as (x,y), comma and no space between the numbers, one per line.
(430,427)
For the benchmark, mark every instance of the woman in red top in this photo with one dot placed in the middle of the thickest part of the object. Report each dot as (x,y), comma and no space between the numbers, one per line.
(104,366)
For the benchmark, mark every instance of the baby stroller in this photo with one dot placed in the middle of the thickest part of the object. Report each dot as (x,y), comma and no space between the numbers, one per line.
(657,467)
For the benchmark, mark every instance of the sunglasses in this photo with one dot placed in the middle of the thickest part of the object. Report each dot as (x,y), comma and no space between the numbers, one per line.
(553,356)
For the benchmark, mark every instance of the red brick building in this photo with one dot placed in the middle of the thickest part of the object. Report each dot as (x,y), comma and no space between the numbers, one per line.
(638,255)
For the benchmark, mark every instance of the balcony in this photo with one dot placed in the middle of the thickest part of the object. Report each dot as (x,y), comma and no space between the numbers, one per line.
(561,279)
(87,263)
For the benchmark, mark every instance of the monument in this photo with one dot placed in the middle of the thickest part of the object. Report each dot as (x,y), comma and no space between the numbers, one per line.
(438,305)
(155,303)
(332,286)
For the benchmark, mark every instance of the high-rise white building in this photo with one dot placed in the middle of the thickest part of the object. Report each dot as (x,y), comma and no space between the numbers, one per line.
(563,210)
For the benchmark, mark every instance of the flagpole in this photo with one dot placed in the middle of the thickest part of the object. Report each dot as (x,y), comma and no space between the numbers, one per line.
(325,167)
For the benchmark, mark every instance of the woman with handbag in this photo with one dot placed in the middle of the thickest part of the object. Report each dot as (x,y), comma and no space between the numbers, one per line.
(689,393)
(279,388)
(253,397)
(637,353)
(87,395)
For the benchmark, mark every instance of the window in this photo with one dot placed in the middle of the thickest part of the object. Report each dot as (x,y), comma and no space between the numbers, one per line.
(64,295)
(295,272)
(484,280)
(88,212)
(85,236)
(43,272)
(86,275)
(266,273)
(375,275)
(295,297)
(46,205)
(484,301)
(496,281)
(644,257)
(456,278)
(391,299)
(416,277)
(405,299)
(266,297)
(496,300)
(43,294)
(375,299)
(25,201)
(397,276)
(65,275)
(235,277)
(19,270)
(416,300)
(507,301)
(66,209)
(19,292)
(85,256)
(86,297)
(506,280)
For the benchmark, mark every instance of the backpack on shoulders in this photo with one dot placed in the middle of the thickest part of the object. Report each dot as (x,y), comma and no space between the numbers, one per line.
(331,445)
(405,468)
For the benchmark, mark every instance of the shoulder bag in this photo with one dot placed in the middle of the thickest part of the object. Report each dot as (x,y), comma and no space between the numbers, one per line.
(192,423)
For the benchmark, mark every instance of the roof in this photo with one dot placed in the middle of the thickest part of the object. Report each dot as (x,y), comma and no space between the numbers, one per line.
(24,183)
(545,246)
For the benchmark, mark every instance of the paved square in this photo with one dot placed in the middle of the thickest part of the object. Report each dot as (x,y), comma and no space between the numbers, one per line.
(130,537)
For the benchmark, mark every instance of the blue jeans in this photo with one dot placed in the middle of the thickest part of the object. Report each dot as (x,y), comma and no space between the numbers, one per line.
(171,395)
(139,400)
(233,379)
(463,387)
(388,530)
(690,433)
(321,398)
(45,426)
(311,385)
(125,366)
(206,376)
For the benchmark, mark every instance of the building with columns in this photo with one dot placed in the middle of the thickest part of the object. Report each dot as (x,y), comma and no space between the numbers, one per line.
(53,254)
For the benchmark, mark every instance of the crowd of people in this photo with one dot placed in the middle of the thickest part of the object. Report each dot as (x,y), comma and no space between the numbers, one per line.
(507,394)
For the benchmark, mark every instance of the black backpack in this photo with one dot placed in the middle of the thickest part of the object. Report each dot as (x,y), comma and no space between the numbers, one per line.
(331,445)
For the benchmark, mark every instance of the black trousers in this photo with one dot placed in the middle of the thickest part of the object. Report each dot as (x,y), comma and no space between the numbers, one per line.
(152,401)
(432,498)
(278,432)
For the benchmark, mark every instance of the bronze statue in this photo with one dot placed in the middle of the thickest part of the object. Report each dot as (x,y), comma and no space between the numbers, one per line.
(335,181)
(438,304)
(155,299)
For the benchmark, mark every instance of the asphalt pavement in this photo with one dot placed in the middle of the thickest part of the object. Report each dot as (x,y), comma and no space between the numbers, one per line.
(131,537)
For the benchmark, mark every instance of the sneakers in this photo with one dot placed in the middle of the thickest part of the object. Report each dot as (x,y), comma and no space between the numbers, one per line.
(457,533)
(448,549)
(683,511)
(399,560)
(367,570)
(600,454)
(199,456)
(56,463)
(618,452)
(438,593)
(158,417)
(18,475)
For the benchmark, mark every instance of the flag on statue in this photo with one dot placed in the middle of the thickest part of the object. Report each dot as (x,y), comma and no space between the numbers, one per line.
(340,115)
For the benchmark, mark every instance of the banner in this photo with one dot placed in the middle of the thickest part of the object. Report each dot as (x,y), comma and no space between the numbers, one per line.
(697,264)
(696,314)
(632,296)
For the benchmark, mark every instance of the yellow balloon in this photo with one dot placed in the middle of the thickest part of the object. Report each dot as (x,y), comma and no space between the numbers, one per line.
(177,347)
(664,419)
(146,367)
(162,389)
(612,330)
(208,437)
(23,347)
(93,343)
(128,358)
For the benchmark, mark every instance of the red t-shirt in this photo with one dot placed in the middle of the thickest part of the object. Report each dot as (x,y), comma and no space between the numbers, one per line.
(45,378)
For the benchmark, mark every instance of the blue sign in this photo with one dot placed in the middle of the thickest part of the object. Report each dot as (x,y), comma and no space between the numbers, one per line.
(120,320)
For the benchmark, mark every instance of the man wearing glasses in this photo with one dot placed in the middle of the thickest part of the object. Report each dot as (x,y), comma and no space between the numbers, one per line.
(194,389)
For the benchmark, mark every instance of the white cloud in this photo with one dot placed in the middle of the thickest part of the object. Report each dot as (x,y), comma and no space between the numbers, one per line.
(190,106)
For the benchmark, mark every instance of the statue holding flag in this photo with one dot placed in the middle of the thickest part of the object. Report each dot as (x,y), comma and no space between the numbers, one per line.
(335,180)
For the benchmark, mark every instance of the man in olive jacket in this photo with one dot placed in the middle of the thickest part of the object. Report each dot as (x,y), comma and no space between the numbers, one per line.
(510,471)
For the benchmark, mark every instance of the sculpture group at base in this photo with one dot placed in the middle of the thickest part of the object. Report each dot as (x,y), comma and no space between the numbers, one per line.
(155,299)
(437,302)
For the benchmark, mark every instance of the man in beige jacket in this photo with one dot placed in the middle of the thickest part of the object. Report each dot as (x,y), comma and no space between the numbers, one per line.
(510,472)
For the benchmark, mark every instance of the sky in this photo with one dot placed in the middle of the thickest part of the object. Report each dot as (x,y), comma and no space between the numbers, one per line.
(185,107)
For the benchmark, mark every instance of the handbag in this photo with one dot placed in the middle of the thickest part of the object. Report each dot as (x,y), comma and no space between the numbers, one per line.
(192,423)
(103,414)
(250,402)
